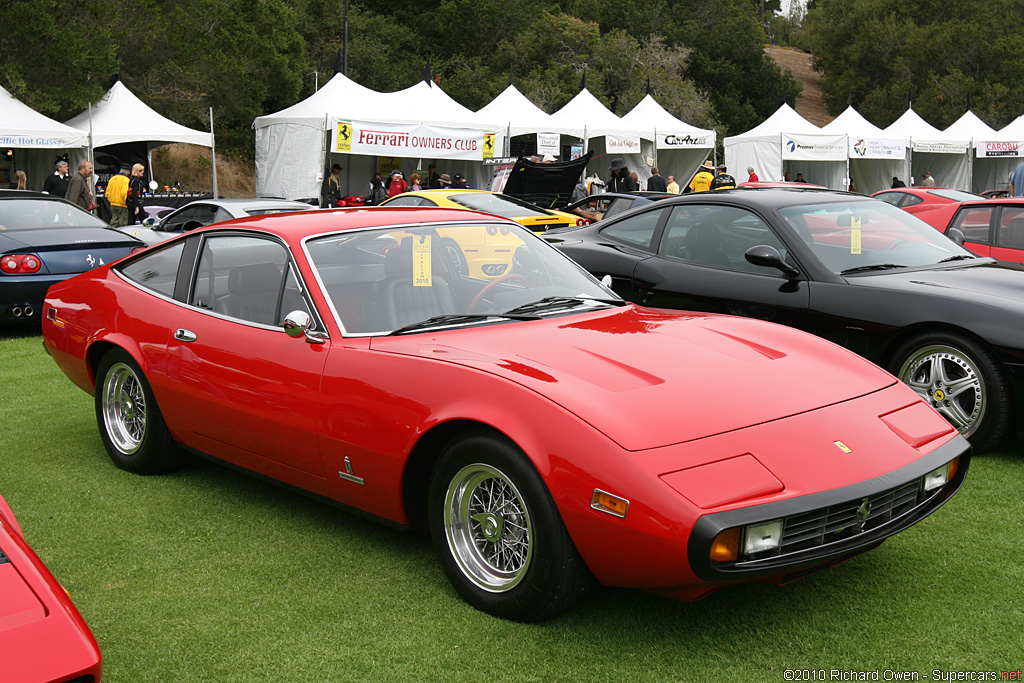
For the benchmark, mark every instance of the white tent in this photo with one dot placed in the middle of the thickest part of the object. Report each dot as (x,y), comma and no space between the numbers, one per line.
(41,138)
(874,157)
(353,126)
(523,117)
(679,148)
(994,154)
(608,136)
(944,156)
(786,141)
(121,117)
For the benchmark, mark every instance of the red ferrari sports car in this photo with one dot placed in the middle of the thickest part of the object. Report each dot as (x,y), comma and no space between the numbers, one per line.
(543,430)
(991,227)
(917,199)
(42,635)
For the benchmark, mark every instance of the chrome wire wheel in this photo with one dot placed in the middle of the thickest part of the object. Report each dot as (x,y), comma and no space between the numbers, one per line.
(124,408)
(951,382)
(488,527)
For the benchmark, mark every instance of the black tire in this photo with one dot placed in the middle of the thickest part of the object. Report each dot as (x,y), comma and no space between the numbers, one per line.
(498,534)
(962,379)
(133,430)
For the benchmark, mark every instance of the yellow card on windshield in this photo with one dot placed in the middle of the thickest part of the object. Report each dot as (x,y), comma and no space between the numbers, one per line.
(855,235)
(421,261)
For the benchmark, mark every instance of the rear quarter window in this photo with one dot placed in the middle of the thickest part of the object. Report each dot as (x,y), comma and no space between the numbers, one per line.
(156,270)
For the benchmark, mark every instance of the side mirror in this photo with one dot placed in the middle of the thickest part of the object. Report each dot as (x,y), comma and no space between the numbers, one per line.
(956,235)
(769,257)
(149,222)
(296,324)
(607,281)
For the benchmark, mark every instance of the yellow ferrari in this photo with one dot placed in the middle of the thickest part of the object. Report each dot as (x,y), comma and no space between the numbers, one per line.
(492,258)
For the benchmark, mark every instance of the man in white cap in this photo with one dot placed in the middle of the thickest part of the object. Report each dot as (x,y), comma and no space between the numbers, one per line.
(621,181)
(702,180)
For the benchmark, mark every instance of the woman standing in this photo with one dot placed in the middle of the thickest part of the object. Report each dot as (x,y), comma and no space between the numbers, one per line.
(136,188)
(20,181)
(414,183)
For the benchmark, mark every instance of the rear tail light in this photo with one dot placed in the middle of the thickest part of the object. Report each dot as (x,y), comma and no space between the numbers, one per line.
(582,221)
(504,230)
(492,230)
(20,264)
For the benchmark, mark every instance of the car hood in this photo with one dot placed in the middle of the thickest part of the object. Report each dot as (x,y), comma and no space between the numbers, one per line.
(993,283)
(648,378)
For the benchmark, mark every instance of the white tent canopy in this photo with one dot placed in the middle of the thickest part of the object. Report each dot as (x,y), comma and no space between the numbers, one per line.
(679,148)
(874,157)
(348,124)
(944,156)
(38,138)
(523,117)
(121,117)
(609,136)
(995,154)
(786,141)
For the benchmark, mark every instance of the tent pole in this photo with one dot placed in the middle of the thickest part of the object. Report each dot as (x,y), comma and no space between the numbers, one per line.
(90,132)
(507,147)
(656,149)
(213,156)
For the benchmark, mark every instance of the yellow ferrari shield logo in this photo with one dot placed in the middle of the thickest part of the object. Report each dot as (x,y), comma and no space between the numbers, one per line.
(843,447)
(343,141)
(489,145)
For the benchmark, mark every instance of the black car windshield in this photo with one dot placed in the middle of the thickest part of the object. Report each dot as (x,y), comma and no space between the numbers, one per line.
(40,212)
(852,236)
(498,204)
(448,276)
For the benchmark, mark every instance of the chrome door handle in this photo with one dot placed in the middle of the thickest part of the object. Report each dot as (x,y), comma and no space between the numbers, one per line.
(185,335)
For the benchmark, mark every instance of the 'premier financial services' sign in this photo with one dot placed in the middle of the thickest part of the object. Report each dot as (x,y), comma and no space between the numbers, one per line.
(412,140)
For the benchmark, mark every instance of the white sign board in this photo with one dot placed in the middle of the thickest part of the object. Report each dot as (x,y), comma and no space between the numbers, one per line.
(814,147)
(549,143)
(877,148)
(988,150)
(685,141)
(622,144)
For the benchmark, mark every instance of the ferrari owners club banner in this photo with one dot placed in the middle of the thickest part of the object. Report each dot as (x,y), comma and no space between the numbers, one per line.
(814,147)
(412,140)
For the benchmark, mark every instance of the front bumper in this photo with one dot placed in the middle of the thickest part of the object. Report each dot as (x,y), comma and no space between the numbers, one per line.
(824,527)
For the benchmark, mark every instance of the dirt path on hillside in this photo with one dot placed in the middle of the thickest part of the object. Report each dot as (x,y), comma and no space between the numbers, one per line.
(810,104)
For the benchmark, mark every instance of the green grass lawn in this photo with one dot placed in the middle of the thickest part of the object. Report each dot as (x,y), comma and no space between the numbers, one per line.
(211,575)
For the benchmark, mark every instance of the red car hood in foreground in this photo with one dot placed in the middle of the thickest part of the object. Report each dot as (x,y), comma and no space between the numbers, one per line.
(42,635)
(647,378)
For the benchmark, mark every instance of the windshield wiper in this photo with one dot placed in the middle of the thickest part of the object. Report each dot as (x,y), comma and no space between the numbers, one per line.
(553,303)
(874,266)
(958,257)
(443,320)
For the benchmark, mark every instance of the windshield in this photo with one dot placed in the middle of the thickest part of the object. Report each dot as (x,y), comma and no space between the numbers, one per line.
(39,212)
(382,280)
(850,235)
(498,204)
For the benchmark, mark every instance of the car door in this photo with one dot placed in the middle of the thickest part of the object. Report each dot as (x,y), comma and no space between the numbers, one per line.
(1008,240)
(975,222)
(700,265)
(246,390)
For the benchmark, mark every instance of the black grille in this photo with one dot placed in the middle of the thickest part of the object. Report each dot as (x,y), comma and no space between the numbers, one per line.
(845,520)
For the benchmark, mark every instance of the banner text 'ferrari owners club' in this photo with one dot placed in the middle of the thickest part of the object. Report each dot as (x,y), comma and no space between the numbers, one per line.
(412,140)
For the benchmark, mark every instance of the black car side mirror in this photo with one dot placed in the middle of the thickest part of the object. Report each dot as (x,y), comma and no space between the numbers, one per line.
(769,257)
(956,235)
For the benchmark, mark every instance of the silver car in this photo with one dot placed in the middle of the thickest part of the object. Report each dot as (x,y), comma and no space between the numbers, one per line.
(206,211)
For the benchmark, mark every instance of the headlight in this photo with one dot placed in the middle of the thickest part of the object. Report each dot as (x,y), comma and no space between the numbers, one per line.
(758,538)
(941,476)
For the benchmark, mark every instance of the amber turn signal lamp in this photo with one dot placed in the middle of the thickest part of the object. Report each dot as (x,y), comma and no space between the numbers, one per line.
(953,464)
(726,546)
(606,502)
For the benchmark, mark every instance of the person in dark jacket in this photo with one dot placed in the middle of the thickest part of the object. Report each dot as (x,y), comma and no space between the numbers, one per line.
(723,181)
(620,180)
(80,187)
(656,183)
(136,190)
(896,182)
(57,184)
(331,190)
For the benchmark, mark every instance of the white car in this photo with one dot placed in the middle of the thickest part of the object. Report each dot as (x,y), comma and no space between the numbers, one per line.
(206,211)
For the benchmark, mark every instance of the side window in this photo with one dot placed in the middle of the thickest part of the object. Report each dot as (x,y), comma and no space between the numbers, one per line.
(156,270)
(637,231)
(409,201)
(974,222)
(717,236)
(189,217)
(910,200)
(221,215)
(891,197)
(618,206)
(1011,228)
(242,277)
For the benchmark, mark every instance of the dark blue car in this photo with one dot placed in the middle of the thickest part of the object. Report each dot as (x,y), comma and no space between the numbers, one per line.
(43,240)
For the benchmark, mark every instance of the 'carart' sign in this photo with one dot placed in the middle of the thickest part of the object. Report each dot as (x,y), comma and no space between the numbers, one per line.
(412,140)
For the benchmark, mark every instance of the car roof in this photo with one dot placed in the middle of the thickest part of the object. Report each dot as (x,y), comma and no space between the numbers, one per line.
(250,201)
(29,194)
(770,197)
(302,224)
